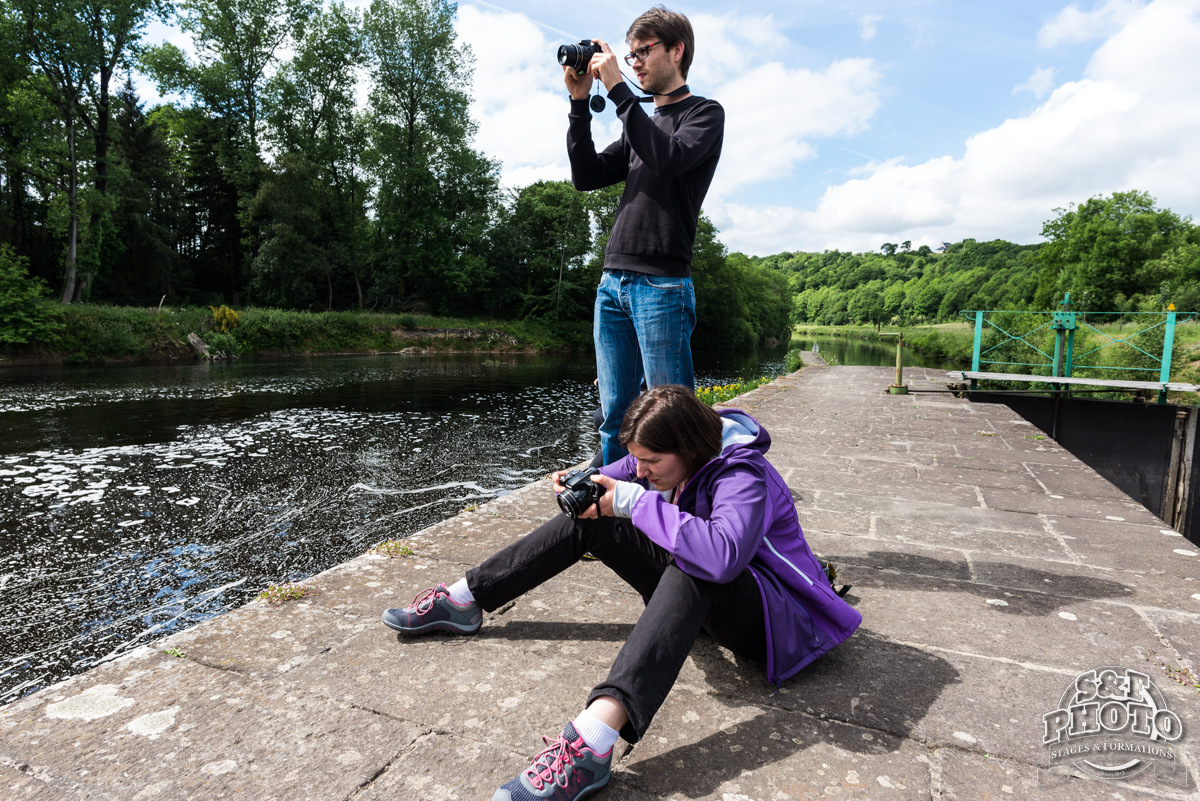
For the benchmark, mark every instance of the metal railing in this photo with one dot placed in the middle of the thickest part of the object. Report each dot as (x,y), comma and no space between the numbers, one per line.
(1012,335)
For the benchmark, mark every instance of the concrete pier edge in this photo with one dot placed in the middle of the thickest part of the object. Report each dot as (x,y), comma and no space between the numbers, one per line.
(991,567)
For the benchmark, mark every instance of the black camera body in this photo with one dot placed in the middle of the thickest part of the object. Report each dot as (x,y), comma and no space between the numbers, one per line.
(578,56)
(579,492)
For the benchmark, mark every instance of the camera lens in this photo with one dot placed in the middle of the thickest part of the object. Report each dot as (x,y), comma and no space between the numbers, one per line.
(576,56)
(572,504)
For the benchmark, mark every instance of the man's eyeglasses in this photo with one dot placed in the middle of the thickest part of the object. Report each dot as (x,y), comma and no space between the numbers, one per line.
(640,53)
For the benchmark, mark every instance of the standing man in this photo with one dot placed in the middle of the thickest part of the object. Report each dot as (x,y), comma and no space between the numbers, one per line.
(645,304)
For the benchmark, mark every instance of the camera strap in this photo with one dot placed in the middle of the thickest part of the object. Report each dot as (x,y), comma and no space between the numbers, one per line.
(683,90)
(597,102)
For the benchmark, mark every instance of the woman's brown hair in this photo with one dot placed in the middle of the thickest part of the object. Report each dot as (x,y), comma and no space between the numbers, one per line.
(670,419)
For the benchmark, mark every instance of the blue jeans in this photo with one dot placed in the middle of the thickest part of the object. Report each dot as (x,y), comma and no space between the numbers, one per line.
(643,330)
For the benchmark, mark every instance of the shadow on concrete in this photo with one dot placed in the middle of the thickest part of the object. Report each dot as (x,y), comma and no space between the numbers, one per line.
(1028,591)
(556,631)
(864,696)
(908,563)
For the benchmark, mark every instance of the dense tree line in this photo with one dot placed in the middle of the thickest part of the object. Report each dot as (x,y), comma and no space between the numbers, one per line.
(1116,253)
(321,158)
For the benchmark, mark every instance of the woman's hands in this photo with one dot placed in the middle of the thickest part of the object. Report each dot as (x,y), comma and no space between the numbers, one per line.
(606,500)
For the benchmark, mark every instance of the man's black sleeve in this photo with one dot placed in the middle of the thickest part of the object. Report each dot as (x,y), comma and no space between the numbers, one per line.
(589,169)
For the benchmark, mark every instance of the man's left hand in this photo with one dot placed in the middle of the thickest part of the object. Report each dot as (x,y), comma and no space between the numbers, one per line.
(604,66)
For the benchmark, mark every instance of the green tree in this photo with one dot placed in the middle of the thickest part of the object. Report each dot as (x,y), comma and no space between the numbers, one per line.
(32,152)
(78,45)
(436,194)
(1177,273)
(209,234)
(312,119)
(238,43)
(555,238)
(865,304)
(1096,250)
(148,212)
(722,316)
(768,301)
(293,259)
(56,37)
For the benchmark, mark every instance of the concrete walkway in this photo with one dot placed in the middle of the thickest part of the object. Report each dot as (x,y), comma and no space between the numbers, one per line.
(990,566)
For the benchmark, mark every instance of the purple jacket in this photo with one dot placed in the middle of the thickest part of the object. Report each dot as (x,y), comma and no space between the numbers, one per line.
(736,513)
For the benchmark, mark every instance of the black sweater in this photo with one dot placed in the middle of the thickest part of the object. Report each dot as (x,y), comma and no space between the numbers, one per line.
(667,162)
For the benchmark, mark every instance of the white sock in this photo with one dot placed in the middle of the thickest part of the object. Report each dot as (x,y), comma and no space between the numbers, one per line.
(460,593)
(599,736)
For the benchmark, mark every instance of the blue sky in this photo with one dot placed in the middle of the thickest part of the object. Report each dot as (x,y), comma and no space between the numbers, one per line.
(857,122)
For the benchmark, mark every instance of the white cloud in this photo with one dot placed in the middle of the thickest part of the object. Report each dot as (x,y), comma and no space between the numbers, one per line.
(1039,83)
(517,95)
(1073,25)
(1129,123)
(725,45)
(772,114)
(868,26)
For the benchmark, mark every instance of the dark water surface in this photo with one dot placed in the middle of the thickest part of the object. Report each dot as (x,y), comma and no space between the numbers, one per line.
(138,501)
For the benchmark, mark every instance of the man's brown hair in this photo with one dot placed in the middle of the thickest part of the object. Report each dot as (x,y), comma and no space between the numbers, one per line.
(670,418)
(668,27)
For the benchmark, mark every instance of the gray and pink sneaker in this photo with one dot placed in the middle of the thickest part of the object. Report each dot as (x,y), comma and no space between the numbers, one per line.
(566,771)
(433,610)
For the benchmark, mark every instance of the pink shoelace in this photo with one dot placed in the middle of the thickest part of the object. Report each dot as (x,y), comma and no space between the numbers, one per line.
(424,600)
(550,765)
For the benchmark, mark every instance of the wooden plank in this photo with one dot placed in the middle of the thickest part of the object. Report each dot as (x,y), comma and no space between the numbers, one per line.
(1095,382)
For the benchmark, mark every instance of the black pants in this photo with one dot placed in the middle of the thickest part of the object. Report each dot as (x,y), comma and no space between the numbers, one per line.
(677,605)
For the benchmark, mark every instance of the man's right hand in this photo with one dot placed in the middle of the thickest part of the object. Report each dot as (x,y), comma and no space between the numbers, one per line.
(577,85)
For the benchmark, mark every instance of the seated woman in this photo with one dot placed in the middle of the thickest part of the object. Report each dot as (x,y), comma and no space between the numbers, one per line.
(703,527)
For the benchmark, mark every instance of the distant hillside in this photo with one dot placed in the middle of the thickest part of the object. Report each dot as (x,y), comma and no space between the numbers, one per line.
(1119,253)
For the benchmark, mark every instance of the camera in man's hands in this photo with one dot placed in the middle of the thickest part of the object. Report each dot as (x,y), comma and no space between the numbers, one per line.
(579,492)
(578,56)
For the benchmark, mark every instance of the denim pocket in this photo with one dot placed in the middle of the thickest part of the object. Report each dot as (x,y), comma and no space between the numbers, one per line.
(665,281)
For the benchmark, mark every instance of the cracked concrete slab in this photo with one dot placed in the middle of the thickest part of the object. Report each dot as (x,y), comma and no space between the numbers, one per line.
(168,728)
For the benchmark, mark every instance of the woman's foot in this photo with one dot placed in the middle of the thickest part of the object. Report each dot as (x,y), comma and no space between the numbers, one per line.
(566,770)
(434,610)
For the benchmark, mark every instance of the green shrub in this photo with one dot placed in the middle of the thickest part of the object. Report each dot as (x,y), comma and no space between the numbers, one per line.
(793,361)
(222,343)
(25,315)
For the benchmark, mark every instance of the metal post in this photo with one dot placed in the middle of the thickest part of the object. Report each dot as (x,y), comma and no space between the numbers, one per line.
(1056,370)
(978,345)
(1070,351)
(898,388)
(1164,374)
(900,360)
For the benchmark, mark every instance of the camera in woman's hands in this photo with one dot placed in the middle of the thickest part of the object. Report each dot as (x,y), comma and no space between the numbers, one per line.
(579,492)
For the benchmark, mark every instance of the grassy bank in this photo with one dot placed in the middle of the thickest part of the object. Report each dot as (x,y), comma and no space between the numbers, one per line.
(94,334)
